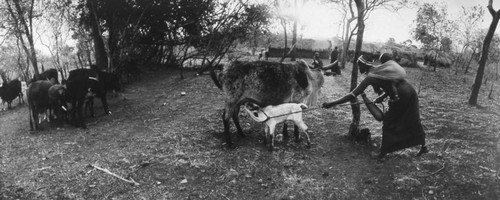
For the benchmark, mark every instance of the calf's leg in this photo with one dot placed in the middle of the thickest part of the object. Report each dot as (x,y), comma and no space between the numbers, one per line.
(236,121)
(303,127)
(285,131)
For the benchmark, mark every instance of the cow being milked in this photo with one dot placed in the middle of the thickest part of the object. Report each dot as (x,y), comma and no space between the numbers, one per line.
(265,83)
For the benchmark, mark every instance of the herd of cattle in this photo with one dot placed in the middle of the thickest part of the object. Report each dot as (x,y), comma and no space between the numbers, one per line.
(46,95)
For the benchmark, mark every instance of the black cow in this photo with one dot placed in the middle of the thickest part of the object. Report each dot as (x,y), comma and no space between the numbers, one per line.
(109,82)
(79,84)
(49,74)
(38,101)
(10,91)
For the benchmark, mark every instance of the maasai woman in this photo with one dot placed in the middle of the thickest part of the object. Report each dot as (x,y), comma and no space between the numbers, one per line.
(401,127)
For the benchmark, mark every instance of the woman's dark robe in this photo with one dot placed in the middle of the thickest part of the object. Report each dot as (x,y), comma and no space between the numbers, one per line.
(402,127)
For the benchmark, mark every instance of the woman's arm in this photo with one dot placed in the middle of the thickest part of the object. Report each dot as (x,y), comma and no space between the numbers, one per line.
(342,100)
(374,109)
(351,96)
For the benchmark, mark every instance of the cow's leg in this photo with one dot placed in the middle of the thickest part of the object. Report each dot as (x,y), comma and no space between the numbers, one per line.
(266,133)
(35,118)
(32,118)
(20,97)
(296,133)
(73,113)
(80,115)
(89,106)
(236,121)
(285,131)
(225,119)
(105,104)
(52,112)
(271,127)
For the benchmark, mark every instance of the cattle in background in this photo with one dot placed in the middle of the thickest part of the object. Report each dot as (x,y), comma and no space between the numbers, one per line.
(49,74)
(57,98)
(265,83)
(10,91)
(38,101)
(108,81)
(79,83)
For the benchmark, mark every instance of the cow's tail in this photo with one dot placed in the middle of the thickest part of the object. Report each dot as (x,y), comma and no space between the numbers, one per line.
(215,78)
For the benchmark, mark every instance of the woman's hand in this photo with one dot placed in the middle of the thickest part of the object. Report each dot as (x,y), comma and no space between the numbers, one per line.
(363,95)
(379,99)
(328,105)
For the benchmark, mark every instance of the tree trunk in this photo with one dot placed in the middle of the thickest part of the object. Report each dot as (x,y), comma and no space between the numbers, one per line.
(484,55)
(26,29)
(283,23)
(100,51)
(347,41)
(355,108)
(294,36)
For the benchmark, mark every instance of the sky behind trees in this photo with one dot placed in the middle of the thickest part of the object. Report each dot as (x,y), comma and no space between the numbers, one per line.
(321,20)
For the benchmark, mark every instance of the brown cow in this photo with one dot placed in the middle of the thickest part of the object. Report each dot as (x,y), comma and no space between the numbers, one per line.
(265,83)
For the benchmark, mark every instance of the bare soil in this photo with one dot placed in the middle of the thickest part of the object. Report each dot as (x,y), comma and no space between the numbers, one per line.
(172,146)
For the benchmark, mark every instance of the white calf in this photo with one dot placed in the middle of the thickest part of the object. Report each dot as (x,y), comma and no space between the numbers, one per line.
(273,115)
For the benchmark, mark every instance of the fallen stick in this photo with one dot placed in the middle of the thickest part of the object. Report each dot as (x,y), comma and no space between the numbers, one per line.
(422,176)
(115,175)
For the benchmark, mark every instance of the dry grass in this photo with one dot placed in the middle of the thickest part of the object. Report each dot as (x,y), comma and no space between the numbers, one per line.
(172,146)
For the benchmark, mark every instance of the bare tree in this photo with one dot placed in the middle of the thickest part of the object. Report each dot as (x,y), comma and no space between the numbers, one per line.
(21,16)
(468,23)
(346,7)
(355,108)
(484,53)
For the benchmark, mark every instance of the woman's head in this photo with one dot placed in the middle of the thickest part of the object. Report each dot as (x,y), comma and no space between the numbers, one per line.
(384,57)
(363,66)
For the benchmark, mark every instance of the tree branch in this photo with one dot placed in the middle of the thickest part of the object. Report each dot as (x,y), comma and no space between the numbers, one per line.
(490,8)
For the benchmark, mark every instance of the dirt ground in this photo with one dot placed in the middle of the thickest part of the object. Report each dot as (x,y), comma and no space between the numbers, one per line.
(171,146)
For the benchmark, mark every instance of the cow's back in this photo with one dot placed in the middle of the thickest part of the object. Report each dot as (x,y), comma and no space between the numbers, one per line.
(78,83)
(270,83)
(109,81)
(11,90)
(38,94)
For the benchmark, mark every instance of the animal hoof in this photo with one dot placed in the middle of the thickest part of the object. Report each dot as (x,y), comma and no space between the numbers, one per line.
(422,151)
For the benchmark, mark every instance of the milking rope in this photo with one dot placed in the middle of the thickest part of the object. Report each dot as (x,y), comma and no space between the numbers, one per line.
(315,108)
